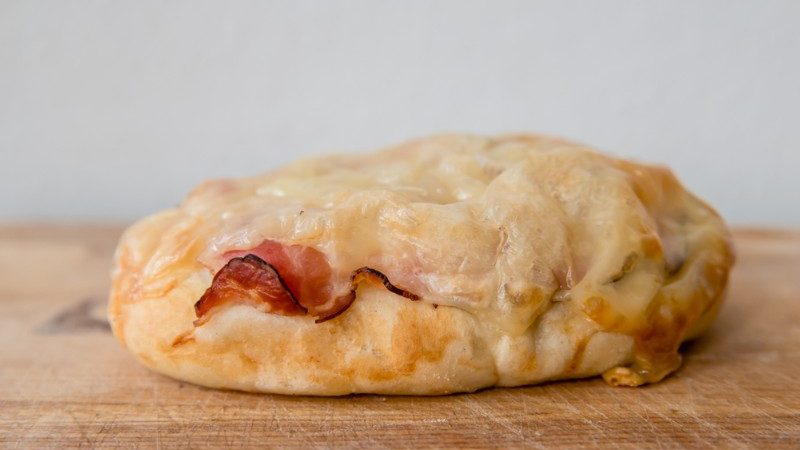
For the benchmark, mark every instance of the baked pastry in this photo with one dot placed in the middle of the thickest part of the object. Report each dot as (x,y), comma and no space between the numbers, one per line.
(441,265)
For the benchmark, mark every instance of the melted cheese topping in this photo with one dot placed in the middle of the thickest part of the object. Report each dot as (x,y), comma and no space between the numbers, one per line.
(501,228)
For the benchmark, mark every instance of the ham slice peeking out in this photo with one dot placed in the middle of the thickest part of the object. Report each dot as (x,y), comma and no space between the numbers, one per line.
(287,280)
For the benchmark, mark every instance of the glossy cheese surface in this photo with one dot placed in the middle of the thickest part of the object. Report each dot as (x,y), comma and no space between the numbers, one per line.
(544,258)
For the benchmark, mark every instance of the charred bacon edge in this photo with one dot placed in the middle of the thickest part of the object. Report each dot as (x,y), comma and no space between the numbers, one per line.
(368,272)
(247,258)
(351,297)
(385,281)
(375,275)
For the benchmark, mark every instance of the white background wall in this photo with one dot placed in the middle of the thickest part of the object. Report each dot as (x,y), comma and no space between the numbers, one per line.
(110,110)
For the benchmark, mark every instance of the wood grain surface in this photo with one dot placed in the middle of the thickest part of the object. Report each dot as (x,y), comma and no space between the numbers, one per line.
(66,383)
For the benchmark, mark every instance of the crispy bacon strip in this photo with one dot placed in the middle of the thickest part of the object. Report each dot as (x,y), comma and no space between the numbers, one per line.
(304,270)
(364,274)
(249,280)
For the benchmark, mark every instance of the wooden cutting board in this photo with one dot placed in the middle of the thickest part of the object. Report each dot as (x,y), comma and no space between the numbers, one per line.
(66,383)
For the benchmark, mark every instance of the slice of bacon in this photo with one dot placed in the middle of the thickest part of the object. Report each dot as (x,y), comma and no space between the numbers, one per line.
(364,274)
(249,280)
(305,271)
(286,280)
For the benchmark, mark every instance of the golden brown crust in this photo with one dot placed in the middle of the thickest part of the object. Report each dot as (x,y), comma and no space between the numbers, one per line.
(535,259)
